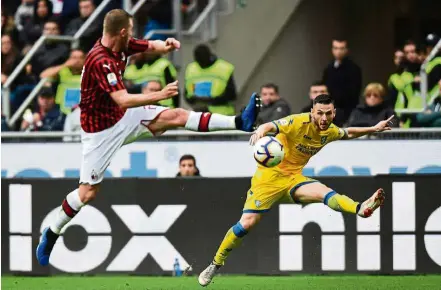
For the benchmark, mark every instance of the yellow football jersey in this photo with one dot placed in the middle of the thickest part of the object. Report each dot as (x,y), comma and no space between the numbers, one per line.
(302,140)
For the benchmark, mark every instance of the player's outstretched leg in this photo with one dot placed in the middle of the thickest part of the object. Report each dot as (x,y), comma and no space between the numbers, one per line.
(206,122)
(317,192)
(70,206)
(232,239)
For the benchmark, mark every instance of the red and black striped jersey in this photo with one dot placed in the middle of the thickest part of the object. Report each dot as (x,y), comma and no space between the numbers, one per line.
(102,74)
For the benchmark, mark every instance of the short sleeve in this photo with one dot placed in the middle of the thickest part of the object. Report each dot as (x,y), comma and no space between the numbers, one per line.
(108,76)
(285,125)
(337,133)
(137,46)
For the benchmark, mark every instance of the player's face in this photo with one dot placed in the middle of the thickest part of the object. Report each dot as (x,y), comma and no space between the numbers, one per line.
(126,34)
(323,115)
(187,167)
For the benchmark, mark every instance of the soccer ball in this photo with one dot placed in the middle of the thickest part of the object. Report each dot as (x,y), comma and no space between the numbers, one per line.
(268,151)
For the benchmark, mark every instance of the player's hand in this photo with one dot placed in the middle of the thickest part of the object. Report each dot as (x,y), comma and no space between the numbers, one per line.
(260,132)
(172,44)
(385,125)
(170,90)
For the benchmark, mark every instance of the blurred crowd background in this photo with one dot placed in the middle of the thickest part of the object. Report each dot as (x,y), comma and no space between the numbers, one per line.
(209,77)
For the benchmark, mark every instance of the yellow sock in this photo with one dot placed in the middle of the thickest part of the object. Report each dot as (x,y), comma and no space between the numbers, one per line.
(232,239)
(341,203)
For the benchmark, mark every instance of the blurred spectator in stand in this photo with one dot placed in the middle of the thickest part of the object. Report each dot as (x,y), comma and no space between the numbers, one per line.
(274,107)
(46,116)
(24,82)
(209,83)
(68,77)
(147,68)
(8,27)
(34,28)
(93,32)
(432,116)
(72,124)
(316,89)
(396,82)
(10,57)
(411,62)
(52,52)
(433,69)
(160,17)
(24,14)
(69,12)
(187,166)
(343,78)
(373,110)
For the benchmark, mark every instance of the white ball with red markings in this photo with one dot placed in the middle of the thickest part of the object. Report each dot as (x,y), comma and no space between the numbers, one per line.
(268,151)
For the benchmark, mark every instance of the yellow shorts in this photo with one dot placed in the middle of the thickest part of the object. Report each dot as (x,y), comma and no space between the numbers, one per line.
(269,187)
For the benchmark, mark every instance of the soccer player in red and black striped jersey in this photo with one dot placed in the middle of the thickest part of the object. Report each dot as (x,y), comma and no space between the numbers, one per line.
(111,117)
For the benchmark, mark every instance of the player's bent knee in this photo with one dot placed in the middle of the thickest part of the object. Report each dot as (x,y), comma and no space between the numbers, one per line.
(88,192)
(181,116)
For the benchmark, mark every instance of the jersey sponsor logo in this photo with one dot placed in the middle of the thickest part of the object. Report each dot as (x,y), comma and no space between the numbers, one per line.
(106,66)
(323,139)
(309,150)
(111,78)
(307,137)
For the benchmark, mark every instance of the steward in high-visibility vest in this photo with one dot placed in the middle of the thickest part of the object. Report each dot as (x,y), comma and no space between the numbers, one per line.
(433,69)
(209,83)
(68,77)
(158,69)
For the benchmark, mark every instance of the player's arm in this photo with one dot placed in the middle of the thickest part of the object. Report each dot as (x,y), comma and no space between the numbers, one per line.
(110,80)
(126,100)
(356,132)
(262,131)
(152,46)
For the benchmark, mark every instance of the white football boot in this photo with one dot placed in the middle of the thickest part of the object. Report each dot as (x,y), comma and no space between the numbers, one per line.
(207,275)
(368,207)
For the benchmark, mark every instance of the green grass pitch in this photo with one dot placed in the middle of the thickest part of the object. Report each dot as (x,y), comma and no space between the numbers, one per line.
(221,282)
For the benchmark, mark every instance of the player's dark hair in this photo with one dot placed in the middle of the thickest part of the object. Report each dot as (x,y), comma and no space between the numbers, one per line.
(116,20)
(318,83)
(323,99)
(271,86)
(187,157)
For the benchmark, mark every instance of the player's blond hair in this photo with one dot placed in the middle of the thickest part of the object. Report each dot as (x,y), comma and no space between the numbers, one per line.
(375,88)
(116,20)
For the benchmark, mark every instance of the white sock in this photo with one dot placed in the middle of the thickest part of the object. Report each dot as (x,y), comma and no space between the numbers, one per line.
(69,208)
(203,122)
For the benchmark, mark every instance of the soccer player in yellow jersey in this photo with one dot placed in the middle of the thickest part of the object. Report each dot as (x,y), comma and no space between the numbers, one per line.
(302,136)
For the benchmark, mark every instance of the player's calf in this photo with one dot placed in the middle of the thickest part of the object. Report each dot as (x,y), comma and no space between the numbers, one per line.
(70,207)
(232,239)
